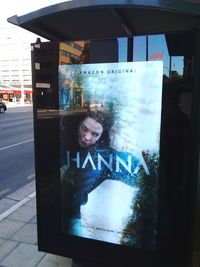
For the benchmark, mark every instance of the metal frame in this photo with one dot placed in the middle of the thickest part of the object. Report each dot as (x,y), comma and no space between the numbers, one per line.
(170,5)
(40,21)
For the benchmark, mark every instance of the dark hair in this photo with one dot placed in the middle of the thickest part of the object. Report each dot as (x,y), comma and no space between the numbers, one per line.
(70,123)
(102,117)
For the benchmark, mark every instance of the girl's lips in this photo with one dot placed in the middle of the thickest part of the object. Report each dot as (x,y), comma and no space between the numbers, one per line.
(84,144)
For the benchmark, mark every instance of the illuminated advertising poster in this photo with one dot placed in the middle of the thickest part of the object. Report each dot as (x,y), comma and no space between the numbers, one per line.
(109,151)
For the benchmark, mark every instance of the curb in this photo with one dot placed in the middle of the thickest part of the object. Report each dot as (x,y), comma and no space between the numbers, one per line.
(18,105)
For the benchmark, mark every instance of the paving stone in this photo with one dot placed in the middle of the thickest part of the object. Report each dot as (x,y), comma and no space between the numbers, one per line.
(9,227)
(6,248)
(2,240)
(31,203)
(23,214)
(5,204)
(54,261)
(27,234)
(7,201)
(24,255)
(33,220)
(23,192)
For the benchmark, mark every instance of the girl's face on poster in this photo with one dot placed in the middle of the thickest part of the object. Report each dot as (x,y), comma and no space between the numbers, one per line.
(89,132)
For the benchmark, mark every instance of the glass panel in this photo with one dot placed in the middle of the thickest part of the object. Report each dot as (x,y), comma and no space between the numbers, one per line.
(177,96)
(144,85)
(123,44)
(139,48)
(177,65)
(109,160)
(155,48)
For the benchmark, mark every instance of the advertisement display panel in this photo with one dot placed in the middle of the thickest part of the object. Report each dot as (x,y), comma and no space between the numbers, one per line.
(110,116)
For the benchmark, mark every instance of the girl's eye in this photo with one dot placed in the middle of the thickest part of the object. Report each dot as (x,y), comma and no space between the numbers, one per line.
(95,134)
(83,128)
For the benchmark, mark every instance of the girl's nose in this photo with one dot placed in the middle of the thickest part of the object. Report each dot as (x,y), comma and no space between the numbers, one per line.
(87,136)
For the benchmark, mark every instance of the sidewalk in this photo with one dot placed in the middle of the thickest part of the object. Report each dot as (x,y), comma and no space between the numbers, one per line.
(18,232)
(17,105)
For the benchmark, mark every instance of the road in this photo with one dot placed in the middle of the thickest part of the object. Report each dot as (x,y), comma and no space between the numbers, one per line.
(16,149)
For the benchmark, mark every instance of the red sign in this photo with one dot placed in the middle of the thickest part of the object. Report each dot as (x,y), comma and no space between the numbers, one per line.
(15,91)
(5,96)
(157,56)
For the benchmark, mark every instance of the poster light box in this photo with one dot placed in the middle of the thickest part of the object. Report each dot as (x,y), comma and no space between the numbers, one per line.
(97,125)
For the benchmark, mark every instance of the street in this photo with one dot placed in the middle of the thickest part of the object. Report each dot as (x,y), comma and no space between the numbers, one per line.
(16,148)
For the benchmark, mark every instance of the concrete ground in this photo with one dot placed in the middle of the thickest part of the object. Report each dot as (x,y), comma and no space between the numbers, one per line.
(18,232)
(18,229)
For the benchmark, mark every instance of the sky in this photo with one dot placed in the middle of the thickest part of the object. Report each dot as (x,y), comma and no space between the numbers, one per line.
(21,7)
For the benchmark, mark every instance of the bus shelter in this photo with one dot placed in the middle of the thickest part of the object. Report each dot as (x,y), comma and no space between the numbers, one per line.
(116,127)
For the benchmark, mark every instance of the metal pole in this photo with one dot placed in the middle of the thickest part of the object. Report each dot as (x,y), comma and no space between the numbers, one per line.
(147,48)
(130,49)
